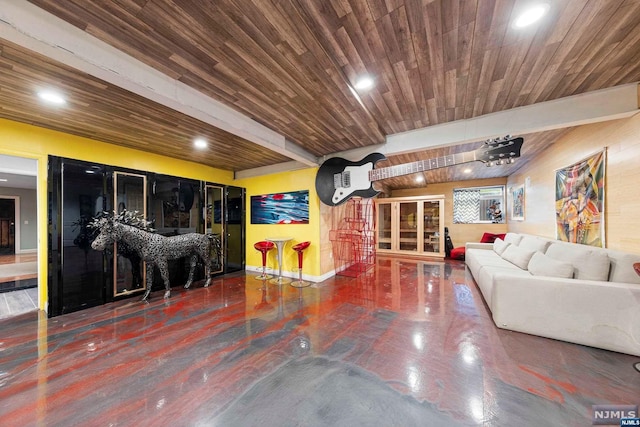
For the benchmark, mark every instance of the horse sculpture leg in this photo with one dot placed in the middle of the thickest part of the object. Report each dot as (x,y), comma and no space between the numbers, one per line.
(206,259)
(193,261)
(214,242)
(163,265)
(207,272)
(149,270)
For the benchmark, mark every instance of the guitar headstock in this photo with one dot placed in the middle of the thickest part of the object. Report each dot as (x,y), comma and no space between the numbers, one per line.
(499,151)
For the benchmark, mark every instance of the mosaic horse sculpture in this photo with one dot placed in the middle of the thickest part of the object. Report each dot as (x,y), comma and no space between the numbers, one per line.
(156,249)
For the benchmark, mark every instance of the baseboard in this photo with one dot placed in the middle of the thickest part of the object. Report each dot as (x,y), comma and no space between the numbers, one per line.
(17,285)
(291,274)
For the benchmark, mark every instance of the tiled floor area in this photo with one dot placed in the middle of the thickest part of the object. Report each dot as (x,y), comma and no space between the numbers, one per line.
(409,344)
(17,289)
(17,302)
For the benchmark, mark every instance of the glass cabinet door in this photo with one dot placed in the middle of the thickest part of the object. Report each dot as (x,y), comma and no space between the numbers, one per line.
(431,226)
(408,236)
(235,238)
(384,226)
(80,282)
(214,223)
(128,268)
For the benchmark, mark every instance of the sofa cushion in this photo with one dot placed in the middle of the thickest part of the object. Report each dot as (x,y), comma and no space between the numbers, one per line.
(499,246)
(622,267)
(491,237)
(512,238)
(486,278)
(543,265)
(535,244)
(517,256)
(589,263)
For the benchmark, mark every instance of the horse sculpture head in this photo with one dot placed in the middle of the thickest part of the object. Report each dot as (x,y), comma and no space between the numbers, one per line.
(107,233)
(111,229)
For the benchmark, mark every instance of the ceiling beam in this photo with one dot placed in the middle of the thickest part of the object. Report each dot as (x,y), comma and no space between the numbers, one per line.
(597,106)
(18,165)
(591,107)
(35,29)
(271,169)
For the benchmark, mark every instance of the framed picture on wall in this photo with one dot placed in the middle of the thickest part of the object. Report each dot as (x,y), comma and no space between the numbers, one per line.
(280,208)
(517,203)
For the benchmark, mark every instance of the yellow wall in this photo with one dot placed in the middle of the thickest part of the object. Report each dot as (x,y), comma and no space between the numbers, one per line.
(18,139)
(622,196)
(280,183)
(459,233)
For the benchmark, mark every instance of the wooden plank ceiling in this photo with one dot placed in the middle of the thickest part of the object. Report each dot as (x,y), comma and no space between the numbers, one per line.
(289,64)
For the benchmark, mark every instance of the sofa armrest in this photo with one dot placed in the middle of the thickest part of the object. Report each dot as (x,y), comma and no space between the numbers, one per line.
(475,245)
(594,313)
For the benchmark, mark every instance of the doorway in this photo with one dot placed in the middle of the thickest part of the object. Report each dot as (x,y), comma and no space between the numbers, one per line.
(7,226)
(18,236)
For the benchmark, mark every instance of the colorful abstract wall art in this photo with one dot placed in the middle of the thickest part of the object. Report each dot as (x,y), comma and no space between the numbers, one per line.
(280,208)
(580,201)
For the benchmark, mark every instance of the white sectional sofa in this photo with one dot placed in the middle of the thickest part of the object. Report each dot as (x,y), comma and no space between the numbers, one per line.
(560,290)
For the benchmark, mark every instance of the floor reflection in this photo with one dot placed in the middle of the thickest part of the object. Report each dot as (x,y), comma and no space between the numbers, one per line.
(415,330)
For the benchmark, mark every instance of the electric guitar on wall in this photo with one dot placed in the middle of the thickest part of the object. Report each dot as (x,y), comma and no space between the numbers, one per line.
(338,179)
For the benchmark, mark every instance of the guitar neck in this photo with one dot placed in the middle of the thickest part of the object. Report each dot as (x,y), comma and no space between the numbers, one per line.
(421,166)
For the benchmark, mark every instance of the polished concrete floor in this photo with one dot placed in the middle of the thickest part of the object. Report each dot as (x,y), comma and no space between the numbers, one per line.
(411,343)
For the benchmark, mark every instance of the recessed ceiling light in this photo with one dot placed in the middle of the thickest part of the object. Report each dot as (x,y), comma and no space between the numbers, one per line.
(531,15)
(467,170)
(52,97)
(419,178)
(364,83)
(200,143)
(3,180)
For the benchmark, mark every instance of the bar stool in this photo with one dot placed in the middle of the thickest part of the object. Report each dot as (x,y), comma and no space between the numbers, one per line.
(264,247)
(300,247)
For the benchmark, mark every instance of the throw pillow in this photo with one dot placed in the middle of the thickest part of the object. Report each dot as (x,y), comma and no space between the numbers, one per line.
(542,265)
(490,237)
(499,246)
(622,267)
(534,244)
(512,238)
(458,253)
(517,256)
(589,264)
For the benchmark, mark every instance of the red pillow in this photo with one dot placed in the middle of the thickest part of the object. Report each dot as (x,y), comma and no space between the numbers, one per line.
(490,237)
(458,253)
